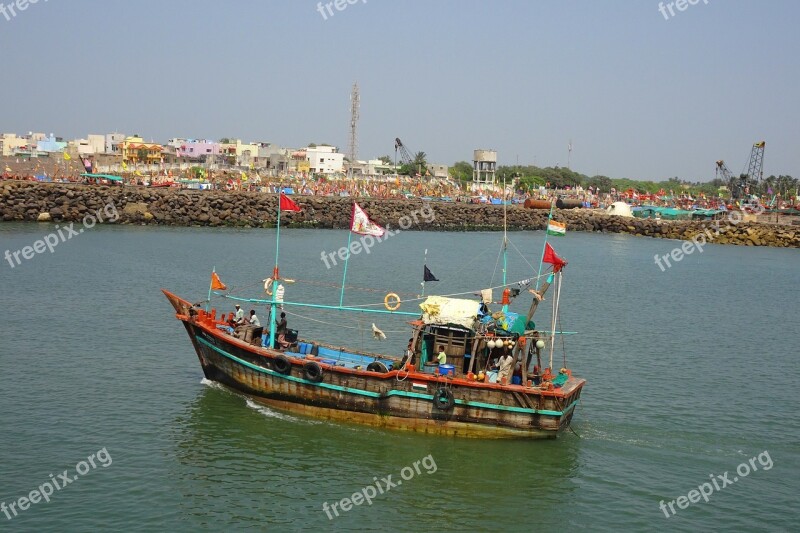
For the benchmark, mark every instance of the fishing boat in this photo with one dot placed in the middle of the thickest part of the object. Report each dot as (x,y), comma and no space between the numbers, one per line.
(462,397)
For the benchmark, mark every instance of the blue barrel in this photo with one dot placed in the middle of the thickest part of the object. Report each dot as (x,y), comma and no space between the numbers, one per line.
(447,370)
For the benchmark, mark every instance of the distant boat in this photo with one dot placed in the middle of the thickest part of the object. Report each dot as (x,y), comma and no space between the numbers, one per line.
(460,398)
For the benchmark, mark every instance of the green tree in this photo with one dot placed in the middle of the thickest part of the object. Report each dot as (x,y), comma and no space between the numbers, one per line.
(418,165)
(601,182)
(461,171)
(385,159)
(787,186)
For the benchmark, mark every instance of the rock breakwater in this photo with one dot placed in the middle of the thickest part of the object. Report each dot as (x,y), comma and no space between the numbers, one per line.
(53,202)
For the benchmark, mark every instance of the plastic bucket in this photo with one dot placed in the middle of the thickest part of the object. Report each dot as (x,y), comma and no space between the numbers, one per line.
(430,368)
(447,370)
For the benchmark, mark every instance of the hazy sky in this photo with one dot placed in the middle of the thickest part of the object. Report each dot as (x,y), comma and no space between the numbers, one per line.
(640,96)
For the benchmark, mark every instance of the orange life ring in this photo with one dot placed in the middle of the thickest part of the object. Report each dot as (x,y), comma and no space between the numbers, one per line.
(392,302)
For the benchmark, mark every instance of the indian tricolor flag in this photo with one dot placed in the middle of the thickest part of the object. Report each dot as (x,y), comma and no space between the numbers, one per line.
(556,228)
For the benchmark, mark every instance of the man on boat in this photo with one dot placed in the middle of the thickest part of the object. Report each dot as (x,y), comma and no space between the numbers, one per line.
(408,355)
(280,328)
(239,316)
(505,365)
(254,321)
(280,333)
(442,357)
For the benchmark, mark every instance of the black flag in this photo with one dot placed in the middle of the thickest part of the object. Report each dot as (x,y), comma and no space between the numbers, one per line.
(428,275)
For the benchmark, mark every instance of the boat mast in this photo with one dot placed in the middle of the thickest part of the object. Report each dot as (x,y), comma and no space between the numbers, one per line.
(544,246)
(505,241)
(425,265)
(272,306)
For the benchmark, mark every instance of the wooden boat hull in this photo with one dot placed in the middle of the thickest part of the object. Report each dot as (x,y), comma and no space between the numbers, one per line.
(395,400)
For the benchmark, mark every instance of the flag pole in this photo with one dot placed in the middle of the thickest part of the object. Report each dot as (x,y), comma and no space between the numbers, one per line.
(210,284)
(544,246)
(347,260)
(272,317)
(423,271)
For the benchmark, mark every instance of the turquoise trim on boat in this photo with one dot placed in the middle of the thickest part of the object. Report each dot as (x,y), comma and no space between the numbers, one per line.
(289,378)
(379,395)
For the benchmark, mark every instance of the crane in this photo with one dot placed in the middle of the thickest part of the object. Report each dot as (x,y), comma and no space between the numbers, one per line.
(723,172)
(755,171)
(405,155)
(725,175)
(742,186)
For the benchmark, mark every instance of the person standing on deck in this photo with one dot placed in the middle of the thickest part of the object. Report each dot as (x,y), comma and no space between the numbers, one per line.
(506,365)
(280,327)
(408,355)
(442,357)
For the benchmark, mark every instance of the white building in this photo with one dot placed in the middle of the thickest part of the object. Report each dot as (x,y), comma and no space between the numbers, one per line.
(438,171)
(93,144)
(325,160)
(113,140)
(373,167)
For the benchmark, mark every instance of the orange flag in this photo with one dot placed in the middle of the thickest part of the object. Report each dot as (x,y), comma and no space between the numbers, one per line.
(216,284)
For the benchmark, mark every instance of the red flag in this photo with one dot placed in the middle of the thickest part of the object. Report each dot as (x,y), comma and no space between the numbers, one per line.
(552,258)
(287,204)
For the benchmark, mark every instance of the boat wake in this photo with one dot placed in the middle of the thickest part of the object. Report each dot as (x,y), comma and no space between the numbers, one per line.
(270,413)
(212,384)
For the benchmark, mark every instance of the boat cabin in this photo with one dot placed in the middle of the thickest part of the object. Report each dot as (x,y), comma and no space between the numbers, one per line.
(472,338)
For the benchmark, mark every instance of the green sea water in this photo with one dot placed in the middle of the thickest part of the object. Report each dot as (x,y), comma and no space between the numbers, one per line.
(692,372)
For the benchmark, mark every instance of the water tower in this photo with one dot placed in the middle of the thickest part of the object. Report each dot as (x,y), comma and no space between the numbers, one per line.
(484,167)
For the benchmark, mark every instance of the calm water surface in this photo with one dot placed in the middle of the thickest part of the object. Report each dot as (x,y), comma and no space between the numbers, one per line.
(691,372)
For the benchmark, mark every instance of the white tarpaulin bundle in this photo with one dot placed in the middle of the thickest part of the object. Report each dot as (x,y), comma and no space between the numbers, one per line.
(441,310)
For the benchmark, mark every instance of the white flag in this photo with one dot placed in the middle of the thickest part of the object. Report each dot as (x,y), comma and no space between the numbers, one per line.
(361,224)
